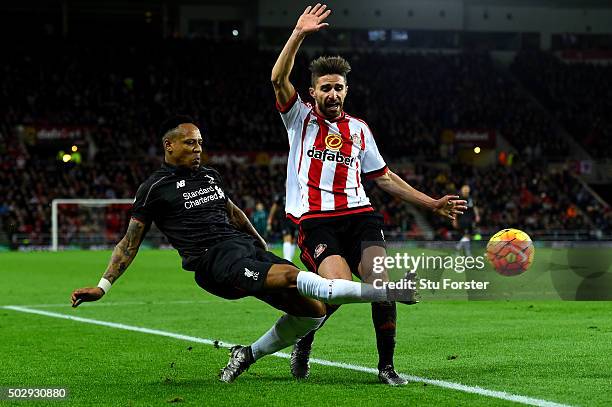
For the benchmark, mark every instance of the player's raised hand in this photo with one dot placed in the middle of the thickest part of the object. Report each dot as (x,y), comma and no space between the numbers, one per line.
(450,206)
(312,19)
(85,295)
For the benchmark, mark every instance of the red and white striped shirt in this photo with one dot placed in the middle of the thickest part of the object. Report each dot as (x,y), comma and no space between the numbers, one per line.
(326,159)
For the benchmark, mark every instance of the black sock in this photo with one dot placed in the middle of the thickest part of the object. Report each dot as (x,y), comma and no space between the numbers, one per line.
(306,340)
(384,317)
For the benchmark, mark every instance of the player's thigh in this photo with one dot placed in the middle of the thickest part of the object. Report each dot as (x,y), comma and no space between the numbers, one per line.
(368,247)
(371,265)
(290,301)
(281,273)
(319,241)
(335,266)
(239,268)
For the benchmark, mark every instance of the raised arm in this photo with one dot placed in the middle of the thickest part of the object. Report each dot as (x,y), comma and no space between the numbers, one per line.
(122,256)
(310,21)
(242,222)
(448,206)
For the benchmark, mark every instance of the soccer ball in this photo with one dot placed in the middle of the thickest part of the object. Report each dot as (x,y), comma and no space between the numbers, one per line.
(510,252)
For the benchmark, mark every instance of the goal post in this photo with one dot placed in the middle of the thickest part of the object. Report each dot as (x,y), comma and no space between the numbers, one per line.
(55,205)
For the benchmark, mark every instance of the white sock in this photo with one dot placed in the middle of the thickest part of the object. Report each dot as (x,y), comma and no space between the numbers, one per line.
(461,244)
(285,332)
(288,250)
(468,247)
(292,251)
(337,291)
(465,243)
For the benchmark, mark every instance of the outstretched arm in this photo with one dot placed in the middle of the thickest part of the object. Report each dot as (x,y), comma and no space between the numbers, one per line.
(122,256)
(448,206)
(310,21)
(242,223)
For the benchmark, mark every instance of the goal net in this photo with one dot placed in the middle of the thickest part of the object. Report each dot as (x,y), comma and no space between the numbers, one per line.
(91,223)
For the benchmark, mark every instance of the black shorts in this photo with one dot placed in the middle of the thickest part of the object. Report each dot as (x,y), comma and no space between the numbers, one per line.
(345,236)
(235,268)
(288,228)
(466,225)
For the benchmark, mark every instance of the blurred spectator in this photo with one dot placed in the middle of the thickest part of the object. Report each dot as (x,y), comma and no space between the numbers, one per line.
(260,219)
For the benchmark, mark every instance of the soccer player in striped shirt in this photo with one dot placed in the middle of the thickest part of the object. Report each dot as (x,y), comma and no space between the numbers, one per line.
(329,151)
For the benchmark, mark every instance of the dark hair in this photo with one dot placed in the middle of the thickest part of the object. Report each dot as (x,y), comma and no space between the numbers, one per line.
(172,123)
(329,66)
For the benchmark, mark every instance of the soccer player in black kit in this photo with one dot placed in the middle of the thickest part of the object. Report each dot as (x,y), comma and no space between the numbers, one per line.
(466,223)
(216,241)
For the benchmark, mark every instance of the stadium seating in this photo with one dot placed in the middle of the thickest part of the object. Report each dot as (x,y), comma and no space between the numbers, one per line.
(577,93)
(525,196)
(116,94)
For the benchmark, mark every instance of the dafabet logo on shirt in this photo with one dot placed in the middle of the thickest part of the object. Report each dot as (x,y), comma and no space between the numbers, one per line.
(333,141)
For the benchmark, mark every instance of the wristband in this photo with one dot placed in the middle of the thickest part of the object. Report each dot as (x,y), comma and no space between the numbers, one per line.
(104,284)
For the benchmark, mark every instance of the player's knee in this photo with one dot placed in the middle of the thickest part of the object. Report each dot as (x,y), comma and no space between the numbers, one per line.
(281,276)
(316,309)
(290,276)
(334,267)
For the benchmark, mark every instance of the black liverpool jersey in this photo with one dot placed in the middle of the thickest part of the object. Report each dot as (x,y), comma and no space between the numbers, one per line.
(189,207)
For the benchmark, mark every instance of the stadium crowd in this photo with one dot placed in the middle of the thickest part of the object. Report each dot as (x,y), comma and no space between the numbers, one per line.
(418,96)
(116,95)
(579,94)
(122,91)
(525,196)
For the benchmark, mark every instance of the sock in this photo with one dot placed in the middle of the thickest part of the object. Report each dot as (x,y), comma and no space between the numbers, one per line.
(468,247)
(307,340)
(285,332)
(292,251)
(287,251)
(462,244)
(384,317)
(337,291)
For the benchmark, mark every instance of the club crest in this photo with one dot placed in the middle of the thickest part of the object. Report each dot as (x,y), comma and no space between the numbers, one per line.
(356,139)
(319,249)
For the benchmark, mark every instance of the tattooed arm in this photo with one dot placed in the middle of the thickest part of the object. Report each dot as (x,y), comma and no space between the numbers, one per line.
(242,223)
(122,256)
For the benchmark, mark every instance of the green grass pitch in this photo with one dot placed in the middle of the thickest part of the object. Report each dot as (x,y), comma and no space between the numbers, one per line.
(549,350)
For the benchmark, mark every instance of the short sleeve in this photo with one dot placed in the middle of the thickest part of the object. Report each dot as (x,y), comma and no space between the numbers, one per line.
(293,114)
(373,165)
(143,208)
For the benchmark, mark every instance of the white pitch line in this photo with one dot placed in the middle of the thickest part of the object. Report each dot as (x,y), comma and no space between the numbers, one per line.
(109,304)
(440,383)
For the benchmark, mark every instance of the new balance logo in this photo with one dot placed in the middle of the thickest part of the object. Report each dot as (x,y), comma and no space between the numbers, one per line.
(180,184)
(251,274)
